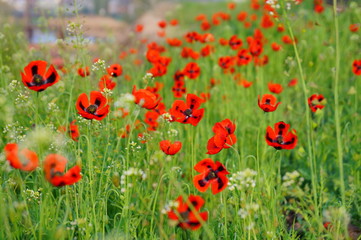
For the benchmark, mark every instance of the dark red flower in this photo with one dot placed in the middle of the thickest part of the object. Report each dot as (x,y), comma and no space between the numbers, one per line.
(188,217)
(145,99)
(275,87)
(54,167)
(275,46)
(24,160)
(179,89)
(268,103)
(187,112)
(213,174)
(36,78)
(280,138)
(224,136)
(162,24)
(356,67)
(226,62)
(139,28)
(243,57)
(316,102)
(97,108)
(354,27)
(115,70)
(235,42)
(293,82)
(192,70)
(84,72)
(106,82)
(170,148)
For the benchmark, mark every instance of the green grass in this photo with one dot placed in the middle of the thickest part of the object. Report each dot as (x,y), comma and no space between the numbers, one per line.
(108,204)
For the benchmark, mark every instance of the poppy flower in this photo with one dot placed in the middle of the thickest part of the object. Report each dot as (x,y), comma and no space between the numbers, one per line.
(115,70)
(54,167)
(245,83)
(36,78)
(224,136)
(280,138)
(316,102)
(73,130)
(211,173)
(226,62)
(192,70)
(162,24)
(205,96)
(242,16)
(106,82)
(235,42)
(207,50)
(266,21)
(275,47)
(191,37)
(178,76)
(356,67)
(139,28)
(144,98)
(179,89)
(97,108)
(174,42)
(255,47)
(158,70)
(243,57)
(268,103)
(354,27)
(275,87)
(205,25)
(223,41)
(25,159)
(187,112)
(280,27)
(189,53)
(170,148)
(188,217)
(173,22)
(158,86)
(231,5)
(288,40)
(151,118)
(84,72)
(293,82)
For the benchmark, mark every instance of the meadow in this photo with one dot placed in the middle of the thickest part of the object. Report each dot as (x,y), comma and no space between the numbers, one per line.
(234,121)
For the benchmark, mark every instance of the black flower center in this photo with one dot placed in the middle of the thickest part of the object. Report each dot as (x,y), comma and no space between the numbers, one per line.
(268,101)
(279,139)
(212,175)
(188,112)
(92,109)
(37,79)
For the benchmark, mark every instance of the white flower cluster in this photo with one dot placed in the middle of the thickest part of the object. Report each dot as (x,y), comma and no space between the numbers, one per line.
(166,117)
(32,195)
(14,132)
(148,77)
(22,99)
(14,85)
(291,179)
(172,132)
(74,28)
(98,65)
(242,180)
(128,173)
(248,210)
(169,206)
(53,108)
(125,101)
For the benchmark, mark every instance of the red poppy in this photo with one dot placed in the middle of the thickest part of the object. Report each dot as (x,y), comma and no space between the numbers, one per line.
(266,21)
(242,16)
(175,42)
(205,25)
(288,40)
(97,108)
(226,62)
(151,118)
(158,70)
(24,160)
(115,70)
(73,130)
(316,102)
(54,167)
(192,70)
(356,67)
(162,24)
(187,112)
(179,89)
(161,33)
(223,41)
(191,37)
(36,78)
(224,136)
(354,27)
(275,87)
(280,27)
(200,17)
(139,28)
(170,148)
(205,96)
(173,22)
(158,86)
(275,47)
(245,83)
(188,217)
(268,103)
(231,5)
(255,46)
(243,57)
(235,42)
(293,82)
(189,53)
(145,98)
(207,50)
(84,72)
(106,82)
(178,76)
(280,138)
(211,173)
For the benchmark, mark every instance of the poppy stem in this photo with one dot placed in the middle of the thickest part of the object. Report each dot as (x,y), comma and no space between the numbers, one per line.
(337,109)
(312,164)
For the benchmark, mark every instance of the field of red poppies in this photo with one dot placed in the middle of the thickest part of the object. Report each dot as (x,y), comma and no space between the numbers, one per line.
(234,120)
